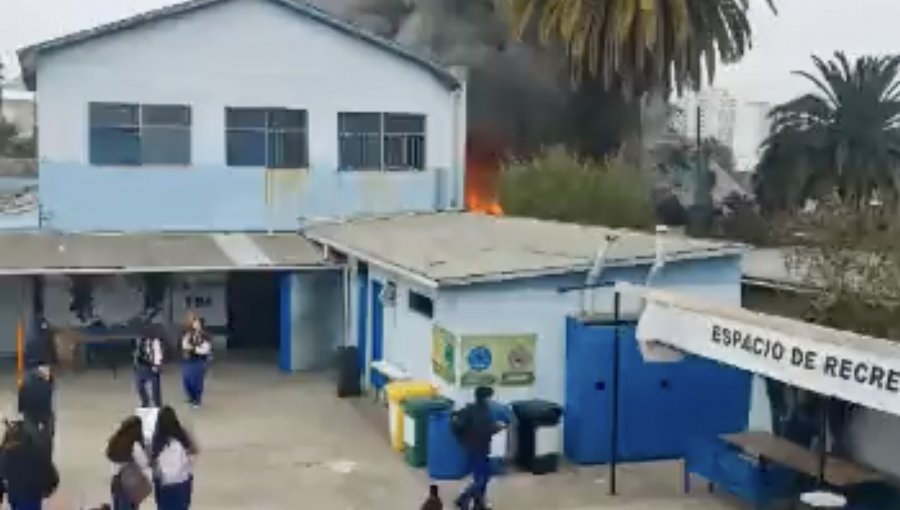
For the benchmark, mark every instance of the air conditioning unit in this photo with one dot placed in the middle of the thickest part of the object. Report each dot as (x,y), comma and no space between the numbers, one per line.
(388,296)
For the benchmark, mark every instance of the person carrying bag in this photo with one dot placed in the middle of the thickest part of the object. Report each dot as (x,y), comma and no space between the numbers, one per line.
(130,486)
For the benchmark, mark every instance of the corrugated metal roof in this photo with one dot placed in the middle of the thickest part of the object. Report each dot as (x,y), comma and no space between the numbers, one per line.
(28,56)
(461,248)
(772,267)
(48,253)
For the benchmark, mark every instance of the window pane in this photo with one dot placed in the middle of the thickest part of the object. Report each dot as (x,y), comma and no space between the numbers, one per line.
(404,152)
(246,148)
(287,149)
(115,146)
(113,114)
(404,123)
(245,117)
(289,119)
(165,146)
(166,115)
(359,123)
(361,152)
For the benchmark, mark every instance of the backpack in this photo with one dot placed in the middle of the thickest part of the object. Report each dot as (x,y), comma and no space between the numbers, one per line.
(460,423)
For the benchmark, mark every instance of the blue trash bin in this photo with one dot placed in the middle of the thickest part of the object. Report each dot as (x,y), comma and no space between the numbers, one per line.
(446,457)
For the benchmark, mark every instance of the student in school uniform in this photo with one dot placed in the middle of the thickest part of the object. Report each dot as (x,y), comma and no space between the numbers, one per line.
(172,453)
(148,359)
(196,346)
(127,450)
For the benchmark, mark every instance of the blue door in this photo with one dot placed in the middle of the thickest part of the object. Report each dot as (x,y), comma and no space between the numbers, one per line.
(375,378)
(649,397)
(589,392)
(362,316)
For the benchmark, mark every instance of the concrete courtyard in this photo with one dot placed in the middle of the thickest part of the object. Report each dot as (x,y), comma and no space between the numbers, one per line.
(270,441)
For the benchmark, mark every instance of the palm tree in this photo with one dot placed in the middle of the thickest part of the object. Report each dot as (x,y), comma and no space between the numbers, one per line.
(844,137)
(641,45)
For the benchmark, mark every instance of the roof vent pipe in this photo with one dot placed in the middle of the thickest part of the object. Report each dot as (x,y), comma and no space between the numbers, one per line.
(651,350)
(659,259)
(587,294)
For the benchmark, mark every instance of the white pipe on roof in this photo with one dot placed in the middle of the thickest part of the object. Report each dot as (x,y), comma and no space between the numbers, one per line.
(596,270)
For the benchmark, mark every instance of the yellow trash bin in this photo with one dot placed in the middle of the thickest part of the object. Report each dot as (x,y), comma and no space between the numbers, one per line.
(397,392)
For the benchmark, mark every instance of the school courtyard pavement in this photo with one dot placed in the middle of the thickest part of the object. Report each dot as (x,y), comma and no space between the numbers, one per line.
(271,442)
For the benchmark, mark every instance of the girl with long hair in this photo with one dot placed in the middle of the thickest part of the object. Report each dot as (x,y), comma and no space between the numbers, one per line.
(126,450)
(172,451)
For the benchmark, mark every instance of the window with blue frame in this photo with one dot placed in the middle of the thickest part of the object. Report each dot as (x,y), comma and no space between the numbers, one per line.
(266,137)
(381,141)
(135,134)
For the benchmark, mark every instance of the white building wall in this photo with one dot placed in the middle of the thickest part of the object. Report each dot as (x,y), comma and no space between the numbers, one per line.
(249,53)
(407,334)
(874,439)
(117,299)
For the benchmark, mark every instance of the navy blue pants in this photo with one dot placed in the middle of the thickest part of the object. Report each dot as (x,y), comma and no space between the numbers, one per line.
(193,377)
(26,503)
(120,500)
(145,376)
(476,492)
(173,497)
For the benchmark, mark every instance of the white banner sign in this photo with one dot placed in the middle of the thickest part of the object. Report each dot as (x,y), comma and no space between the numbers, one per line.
(843,371)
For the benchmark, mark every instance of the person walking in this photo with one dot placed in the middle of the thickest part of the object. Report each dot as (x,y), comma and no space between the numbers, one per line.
(126,449)
(27,472)
(474,425)
(197,349)
(148,359)
(171,455)
(35,400)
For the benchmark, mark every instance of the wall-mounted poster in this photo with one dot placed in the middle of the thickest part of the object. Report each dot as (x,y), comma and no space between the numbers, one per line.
(443,354)
(498,360)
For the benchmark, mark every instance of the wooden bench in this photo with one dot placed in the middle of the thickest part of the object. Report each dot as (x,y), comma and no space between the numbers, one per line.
(763,469)
(767,447)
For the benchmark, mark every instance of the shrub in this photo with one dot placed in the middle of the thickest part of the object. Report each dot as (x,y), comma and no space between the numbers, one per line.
(558,185)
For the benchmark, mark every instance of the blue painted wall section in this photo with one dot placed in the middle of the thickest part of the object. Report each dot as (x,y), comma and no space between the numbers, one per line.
(285,331)
(377,380)
(220,198)
(362,321)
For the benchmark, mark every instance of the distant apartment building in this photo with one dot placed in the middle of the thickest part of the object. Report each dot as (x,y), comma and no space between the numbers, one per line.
(736,123)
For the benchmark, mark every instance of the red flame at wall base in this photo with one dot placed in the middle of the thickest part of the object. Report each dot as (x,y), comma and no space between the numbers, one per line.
(484,157)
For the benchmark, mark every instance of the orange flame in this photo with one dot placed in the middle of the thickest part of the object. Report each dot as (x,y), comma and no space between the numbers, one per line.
(483,161)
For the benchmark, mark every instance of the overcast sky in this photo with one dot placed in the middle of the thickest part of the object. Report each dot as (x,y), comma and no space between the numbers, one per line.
(783,43)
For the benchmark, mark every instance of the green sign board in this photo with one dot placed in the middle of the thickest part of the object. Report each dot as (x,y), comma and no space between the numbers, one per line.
(443,354)
(498,360)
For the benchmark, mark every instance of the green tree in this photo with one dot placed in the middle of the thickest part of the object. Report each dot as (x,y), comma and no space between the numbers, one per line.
(844,137)
(12,144)
(558,185)
(641,45)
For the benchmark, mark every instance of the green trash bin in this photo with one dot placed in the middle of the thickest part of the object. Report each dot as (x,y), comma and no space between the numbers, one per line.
(416,412)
